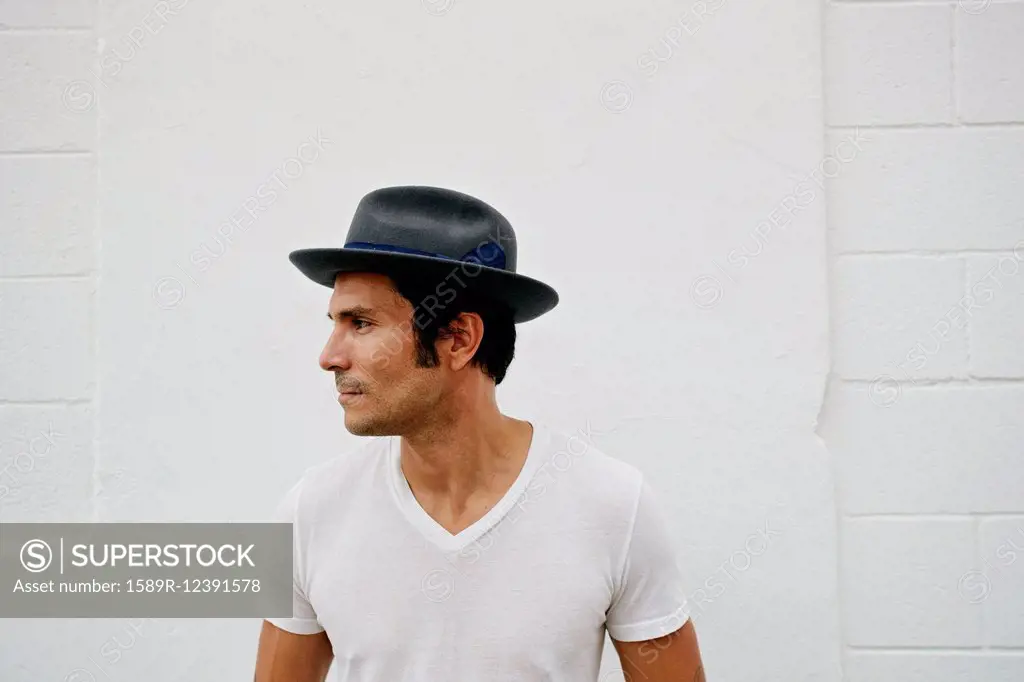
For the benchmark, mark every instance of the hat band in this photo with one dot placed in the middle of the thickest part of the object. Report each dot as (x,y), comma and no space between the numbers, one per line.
(479,255)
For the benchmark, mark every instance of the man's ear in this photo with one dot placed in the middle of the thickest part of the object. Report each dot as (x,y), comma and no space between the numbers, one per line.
(462,338)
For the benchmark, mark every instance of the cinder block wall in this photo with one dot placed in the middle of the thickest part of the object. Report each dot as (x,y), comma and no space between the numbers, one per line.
(925,409)
(48,260)
(925,412)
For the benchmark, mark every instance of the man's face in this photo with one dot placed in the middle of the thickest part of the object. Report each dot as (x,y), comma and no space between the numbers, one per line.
(372,350)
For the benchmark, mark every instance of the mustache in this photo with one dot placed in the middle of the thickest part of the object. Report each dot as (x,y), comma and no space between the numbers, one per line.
(348,388)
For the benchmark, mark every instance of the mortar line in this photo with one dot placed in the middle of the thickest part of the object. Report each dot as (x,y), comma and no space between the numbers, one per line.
(962,125)
(928,253)
(44,30)
(830,306)
(938,383)
(955,101)
(44,153)
(96,242)
(967,324)
(976,529)
(897,517)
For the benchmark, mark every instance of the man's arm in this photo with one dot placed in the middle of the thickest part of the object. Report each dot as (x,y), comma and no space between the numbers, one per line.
(672,658)
(284,656)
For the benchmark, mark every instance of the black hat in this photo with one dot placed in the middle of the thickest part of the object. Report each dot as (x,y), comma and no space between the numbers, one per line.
(440,233)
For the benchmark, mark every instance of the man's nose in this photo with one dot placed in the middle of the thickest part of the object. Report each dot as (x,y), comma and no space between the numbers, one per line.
(335,354)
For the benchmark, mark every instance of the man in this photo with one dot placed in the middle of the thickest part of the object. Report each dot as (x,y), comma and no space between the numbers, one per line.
(460,544)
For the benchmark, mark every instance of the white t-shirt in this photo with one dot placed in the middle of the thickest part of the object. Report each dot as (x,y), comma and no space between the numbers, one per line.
(577,545)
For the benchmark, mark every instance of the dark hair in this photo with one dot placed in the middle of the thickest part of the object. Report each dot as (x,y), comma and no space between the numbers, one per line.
(431,317)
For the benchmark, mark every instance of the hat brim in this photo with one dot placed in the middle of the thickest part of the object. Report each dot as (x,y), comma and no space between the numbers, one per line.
(528,298)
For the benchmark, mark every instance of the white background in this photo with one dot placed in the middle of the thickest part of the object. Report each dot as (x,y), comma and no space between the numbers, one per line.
(772,224)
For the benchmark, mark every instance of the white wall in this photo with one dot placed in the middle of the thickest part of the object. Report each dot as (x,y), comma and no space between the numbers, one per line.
(688,149)
(925,409)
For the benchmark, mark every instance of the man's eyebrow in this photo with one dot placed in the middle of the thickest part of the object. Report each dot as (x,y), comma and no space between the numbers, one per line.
(354,311)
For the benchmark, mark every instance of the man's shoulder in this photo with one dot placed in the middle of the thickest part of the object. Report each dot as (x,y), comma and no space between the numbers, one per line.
(586,445)
(335,477)
(579,458)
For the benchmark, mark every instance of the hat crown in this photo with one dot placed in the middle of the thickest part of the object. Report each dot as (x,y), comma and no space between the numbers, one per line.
(435,221)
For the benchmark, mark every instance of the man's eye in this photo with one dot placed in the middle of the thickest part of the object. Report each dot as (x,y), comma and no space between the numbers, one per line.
(358,322)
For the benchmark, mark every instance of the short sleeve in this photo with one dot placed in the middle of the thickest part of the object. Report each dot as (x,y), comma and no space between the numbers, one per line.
(649,600)
(304,619)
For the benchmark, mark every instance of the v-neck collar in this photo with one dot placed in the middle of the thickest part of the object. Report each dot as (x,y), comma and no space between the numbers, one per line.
(434,531)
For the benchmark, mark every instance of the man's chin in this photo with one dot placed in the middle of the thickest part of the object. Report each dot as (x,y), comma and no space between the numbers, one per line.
(362,427)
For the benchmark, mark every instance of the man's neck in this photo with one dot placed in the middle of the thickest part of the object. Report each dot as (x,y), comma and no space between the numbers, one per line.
(471,463)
